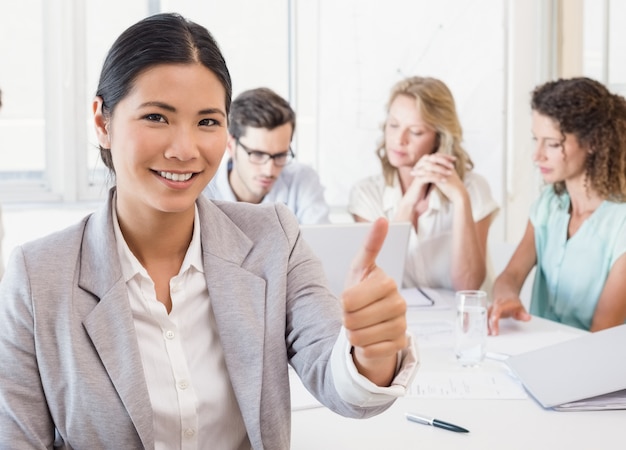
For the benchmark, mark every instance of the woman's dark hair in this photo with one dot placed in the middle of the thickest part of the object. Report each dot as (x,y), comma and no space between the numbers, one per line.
(597,118)
(159,39)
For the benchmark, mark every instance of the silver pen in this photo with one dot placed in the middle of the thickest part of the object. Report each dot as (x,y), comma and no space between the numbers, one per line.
(425,420)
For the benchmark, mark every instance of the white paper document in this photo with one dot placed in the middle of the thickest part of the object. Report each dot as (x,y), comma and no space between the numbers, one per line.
(438,333)
(520,342)
(466,384)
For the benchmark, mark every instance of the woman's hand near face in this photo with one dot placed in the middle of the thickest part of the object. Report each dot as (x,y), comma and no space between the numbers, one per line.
(434,169)
(439,170)
(423,174)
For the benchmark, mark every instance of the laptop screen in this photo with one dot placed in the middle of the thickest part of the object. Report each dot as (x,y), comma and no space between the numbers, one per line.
(336,245)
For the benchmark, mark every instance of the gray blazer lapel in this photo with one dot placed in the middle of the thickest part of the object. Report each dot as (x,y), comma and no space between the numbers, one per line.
(241,325)
(110,325)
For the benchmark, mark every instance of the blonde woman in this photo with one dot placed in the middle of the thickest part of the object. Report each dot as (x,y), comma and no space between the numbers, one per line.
(427,179)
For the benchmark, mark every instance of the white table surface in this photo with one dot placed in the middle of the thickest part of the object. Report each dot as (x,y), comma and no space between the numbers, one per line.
(493,423)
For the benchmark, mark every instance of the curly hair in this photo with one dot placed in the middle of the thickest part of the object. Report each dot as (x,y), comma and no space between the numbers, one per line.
(436,104)
(597,118)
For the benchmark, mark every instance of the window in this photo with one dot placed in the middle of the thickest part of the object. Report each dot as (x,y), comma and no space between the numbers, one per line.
(604,43)
(22,125)
(51,52)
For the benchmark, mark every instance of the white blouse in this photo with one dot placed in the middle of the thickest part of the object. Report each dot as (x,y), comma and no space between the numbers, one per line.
(428,258)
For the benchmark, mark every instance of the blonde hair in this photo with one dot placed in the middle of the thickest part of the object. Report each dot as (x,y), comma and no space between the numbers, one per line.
(435,102)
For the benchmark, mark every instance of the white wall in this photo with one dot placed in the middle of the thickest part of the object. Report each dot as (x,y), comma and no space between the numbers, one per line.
(337,63)
(489,52)
(364,49)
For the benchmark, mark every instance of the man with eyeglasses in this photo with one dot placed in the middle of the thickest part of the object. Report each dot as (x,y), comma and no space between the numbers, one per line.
(258,165)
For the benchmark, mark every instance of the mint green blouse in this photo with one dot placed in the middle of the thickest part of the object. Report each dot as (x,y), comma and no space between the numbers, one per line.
(571,273)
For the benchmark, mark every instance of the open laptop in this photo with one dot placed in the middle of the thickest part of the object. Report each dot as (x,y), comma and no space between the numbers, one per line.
(337,244)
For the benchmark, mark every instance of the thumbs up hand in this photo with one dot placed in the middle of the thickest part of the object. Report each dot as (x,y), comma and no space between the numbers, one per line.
(374,312)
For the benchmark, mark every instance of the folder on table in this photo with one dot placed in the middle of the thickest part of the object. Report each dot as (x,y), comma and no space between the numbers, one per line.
(585,373)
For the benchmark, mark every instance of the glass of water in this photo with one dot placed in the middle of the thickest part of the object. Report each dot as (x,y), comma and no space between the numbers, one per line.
(471,327)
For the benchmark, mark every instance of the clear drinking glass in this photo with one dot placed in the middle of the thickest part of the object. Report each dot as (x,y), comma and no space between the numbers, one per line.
(471,327)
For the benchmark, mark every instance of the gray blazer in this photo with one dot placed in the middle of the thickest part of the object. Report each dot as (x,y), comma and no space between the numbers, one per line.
(69,354)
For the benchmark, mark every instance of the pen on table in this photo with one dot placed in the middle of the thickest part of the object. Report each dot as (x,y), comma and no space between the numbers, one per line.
(426,296)
(425,420)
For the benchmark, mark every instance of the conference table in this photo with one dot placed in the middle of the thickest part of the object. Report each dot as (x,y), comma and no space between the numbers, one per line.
(487,400)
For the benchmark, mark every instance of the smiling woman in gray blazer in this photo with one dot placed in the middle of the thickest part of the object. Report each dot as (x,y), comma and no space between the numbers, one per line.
(165,320)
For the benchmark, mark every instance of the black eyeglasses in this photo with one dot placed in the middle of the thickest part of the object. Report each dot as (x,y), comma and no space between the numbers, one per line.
(259,157)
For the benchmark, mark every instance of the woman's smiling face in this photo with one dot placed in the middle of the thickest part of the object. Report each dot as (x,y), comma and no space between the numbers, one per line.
(166,137)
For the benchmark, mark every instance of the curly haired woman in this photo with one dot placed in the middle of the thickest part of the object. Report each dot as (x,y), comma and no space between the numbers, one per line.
(576,235)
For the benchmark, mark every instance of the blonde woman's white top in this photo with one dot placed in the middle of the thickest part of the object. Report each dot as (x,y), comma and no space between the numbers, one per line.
(428,258)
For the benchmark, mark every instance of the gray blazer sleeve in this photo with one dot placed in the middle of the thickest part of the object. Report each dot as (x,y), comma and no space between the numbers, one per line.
(25,421)
(313,324)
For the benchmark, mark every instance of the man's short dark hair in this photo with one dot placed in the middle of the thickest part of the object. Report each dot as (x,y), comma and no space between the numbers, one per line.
(259,108)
